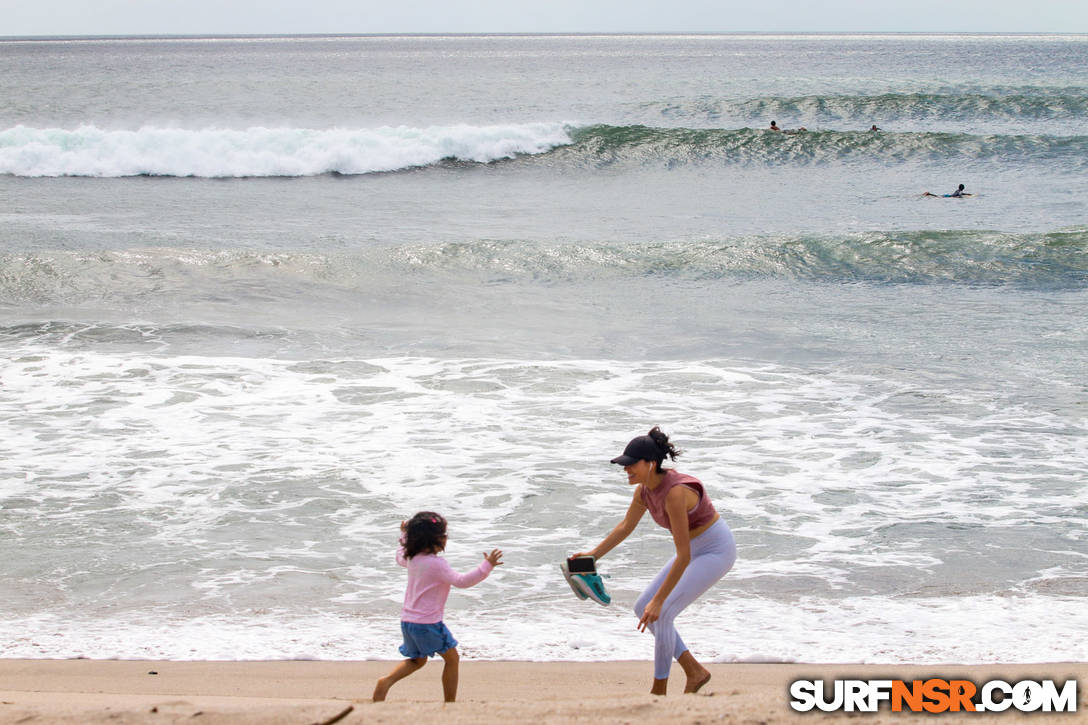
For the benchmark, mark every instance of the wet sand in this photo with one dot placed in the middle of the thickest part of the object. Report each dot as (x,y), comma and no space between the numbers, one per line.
(298,692)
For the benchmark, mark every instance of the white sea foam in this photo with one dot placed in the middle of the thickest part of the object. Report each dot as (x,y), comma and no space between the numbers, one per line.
(729,627)
(151,499)
(257,151)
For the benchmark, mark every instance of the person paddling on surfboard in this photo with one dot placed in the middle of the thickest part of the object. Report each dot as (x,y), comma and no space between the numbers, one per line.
(705,550)
(957,194)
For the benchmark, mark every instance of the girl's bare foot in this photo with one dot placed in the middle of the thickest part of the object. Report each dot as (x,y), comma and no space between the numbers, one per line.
(381,689)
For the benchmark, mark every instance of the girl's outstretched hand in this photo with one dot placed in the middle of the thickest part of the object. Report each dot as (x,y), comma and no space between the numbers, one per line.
(495,557)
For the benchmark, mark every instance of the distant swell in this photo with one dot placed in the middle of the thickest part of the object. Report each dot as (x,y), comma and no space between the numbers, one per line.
(258,151)
(1052,261)
(1016,105)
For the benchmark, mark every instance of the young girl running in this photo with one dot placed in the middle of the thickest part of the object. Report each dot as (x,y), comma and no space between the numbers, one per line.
(429,580)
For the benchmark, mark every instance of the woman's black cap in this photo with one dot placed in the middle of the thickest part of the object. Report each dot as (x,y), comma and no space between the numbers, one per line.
(642,448)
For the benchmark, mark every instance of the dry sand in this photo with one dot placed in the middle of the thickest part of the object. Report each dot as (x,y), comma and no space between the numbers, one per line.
(206,693)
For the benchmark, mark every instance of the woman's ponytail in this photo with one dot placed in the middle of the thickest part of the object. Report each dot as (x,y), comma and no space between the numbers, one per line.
(668,450)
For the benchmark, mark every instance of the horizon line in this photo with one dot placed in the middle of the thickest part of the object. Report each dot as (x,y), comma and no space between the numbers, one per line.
(529,34)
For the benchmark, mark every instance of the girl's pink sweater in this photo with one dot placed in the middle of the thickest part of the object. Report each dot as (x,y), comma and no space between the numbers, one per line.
(429,581)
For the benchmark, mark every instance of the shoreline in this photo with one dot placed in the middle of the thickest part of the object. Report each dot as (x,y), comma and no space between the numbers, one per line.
(310,691)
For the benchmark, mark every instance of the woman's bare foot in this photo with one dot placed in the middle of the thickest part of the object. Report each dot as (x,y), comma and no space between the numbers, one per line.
(694,683)
(381,689)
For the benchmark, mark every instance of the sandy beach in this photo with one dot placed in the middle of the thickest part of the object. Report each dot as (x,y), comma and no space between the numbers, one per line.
(297,692)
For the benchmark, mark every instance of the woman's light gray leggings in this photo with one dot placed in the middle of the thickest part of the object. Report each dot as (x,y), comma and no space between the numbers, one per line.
(712,555)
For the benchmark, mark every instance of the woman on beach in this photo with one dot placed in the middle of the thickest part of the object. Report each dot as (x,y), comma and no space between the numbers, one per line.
(705,550)
(429,580)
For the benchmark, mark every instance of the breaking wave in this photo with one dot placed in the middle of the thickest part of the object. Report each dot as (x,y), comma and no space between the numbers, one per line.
(258,151)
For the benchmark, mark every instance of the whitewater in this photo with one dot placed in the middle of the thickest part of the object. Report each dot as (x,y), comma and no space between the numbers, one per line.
(150,151)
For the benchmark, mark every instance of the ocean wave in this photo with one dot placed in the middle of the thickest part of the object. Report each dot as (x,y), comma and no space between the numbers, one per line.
(1054,261)
(291,152)
(604,145)
(1026,104)
(258,151)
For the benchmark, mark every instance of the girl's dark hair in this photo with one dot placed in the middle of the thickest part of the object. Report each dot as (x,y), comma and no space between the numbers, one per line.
(424,534)
(668,450)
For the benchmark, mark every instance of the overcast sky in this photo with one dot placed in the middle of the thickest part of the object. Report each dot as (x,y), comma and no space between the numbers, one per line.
(196,17)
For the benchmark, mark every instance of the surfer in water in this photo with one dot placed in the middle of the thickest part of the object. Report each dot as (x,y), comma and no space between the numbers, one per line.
(957,194)
(776,127)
